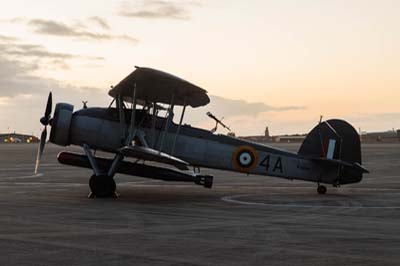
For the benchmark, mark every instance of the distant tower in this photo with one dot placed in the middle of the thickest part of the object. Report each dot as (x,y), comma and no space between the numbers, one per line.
(267,132)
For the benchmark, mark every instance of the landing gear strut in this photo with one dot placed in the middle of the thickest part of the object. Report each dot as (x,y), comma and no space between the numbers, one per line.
(321,189)
(102,186)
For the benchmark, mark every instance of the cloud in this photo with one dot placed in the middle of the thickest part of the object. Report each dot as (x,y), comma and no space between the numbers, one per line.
(19,63)
(249,117)
(13,20)
(14,78)
(375,121)
(23,97)
(38,54)
(156,9)
(4,38)
(33,50)
(229,107)
(55,28)
(101,22)
(17,80)
(40,51)
(375,116)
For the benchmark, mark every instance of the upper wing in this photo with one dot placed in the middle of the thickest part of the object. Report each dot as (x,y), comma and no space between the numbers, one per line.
(149,154)
(157,86)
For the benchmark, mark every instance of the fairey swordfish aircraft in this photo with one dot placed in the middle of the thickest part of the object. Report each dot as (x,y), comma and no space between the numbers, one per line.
(133,128)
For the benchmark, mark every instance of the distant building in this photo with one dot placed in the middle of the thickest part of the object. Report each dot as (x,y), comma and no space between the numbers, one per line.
(267,138)
(386,136)
(260,139)
(290,138)
(17,138)
(266,134)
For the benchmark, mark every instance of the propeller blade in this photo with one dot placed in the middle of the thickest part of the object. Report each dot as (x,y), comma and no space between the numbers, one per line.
(40,148)
(47,113)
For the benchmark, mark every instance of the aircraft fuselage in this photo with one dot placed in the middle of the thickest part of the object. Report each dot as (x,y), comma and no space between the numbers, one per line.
(101,130)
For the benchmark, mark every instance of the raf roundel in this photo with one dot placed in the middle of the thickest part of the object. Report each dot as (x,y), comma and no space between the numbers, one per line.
(244,158)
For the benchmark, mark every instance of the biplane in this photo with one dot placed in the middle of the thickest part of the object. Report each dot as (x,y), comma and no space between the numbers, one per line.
(147,144)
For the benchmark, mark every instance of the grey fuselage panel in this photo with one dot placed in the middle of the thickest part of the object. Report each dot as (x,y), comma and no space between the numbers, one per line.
(100,128)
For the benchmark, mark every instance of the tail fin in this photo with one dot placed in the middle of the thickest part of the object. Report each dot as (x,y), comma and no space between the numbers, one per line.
(336,143)
(333,139)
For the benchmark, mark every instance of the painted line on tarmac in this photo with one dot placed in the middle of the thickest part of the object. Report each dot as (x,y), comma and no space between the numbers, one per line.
(21,176)
(43,184)
(138,182)
(16,167)
(234,199)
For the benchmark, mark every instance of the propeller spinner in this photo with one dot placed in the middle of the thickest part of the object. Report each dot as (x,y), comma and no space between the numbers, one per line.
(45,121)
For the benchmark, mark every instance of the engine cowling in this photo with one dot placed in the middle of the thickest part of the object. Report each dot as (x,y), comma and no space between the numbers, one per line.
(61,123)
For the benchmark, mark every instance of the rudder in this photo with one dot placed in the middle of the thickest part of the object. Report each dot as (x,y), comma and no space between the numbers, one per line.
(336,145)
(333,139)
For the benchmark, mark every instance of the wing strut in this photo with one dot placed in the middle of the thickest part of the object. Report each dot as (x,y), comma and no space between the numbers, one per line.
(131,134)
(170,112)
(121,117)
(179,126)
(153,125)
(91,159)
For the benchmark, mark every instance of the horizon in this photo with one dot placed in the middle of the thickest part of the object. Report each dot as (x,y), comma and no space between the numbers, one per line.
(279,64)
(363,133)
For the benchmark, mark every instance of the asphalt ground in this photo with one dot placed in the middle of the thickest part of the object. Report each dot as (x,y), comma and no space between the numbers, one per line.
(47,219)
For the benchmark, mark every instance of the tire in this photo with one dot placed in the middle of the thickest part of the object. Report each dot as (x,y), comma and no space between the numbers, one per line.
(321,189)
(102,186)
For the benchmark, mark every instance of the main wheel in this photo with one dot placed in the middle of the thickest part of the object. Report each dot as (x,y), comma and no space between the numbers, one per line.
(102,186)
(321,189)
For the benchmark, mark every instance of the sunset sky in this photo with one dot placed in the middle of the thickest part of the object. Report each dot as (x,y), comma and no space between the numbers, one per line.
(277,63)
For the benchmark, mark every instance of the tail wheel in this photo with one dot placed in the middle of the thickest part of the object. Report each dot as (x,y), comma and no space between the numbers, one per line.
(321,189)
(102,186)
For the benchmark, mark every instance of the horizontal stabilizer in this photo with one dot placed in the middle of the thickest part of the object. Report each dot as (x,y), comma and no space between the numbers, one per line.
(333,139)
(355,166)
(149,154)
(361,168)
(346,172)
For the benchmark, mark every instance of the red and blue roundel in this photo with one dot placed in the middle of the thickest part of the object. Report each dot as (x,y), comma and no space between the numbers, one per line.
(244,158)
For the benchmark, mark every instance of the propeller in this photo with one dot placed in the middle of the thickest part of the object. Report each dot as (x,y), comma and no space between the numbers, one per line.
(45,120)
